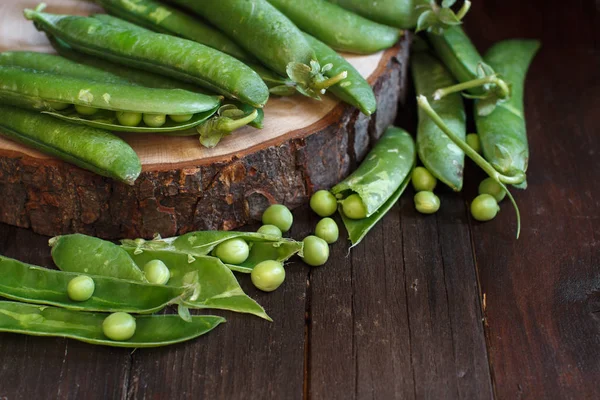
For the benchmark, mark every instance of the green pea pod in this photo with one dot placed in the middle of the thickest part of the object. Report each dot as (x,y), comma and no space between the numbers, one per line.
(202,243)
(151,330)
(444,159)
(90,255)
(354,90)
(399,13)
(31,284)
(337,27)
(503,133)
(172,56)
(382,172)
(89,148)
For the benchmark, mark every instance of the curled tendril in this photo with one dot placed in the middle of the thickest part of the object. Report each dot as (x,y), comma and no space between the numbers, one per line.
(436,19)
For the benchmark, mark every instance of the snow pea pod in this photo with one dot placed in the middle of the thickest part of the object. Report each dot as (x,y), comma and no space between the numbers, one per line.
(89,148)
(444,159)
(202,243)
(151,330)
(379,180)
(354,90)
(169,55)
(503,133)
(337,27)
(32,284)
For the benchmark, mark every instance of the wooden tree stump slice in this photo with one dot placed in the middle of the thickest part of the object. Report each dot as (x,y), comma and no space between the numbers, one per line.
(304,146)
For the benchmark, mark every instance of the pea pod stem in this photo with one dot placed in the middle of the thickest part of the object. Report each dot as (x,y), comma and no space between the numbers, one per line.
(492,79)
(473,155)
(324,84)
(463,10)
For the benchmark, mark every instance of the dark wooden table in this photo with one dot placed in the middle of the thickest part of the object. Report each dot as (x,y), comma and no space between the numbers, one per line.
(426,307)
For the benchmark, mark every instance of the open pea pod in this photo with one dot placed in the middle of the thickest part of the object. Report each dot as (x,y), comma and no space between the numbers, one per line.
(379,180)
(32,284)
(151,330)
(217,287)
(202,243)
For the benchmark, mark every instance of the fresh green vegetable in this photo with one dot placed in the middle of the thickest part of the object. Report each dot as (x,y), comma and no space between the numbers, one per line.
(155,120)
(270,230)
(437,152)
(353,207)
(92,149)
(268,275)
(178,58)
(323,203)
(81,288)
(484,207)
(156,272)
(379,181)
(316,251)
(473,142)
(233,251)
(130,118)
(491,187)
(82,110)
(278,215)
(423,180)
(354,89)
(327,230)
(119,326)
(151,330)
(503,132)
(427,202)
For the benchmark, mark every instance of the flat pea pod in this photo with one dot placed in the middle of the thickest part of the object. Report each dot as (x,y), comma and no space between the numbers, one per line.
(151,331)
(503,133)
(32,284)
(399,13)
(380,180)
(354,89)
(202,243)
(93,256)
(93,149)
(179,58)
(444,159)
(337,27)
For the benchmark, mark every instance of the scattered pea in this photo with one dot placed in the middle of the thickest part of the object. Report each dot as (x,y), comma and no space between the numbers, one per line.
(181,118)
(157,272)
(119,326)
(491,187)
(327,230)
(278,215)
(353,207)
(268,275)
(58,106)
(129,118)
(270,230)
(85,110)
(81,288)
(473,142)
(155,120)
(316,251)
(427,202)
(323,203)
(484,207)
(423,180)
(233,251)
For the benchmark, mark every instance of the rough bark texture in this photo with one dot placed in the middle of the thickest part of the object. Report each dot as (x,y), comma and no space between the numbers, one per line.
(52,197)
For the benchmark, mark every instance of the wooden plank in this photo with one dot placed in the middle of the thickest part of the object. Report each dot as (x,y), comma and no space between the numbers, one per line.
(246,357)
(40,368)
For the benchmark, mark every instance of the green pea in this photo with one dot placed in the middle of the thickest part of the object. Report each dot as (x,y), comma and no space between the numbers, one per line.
(119,326)
(327,230)
(491,187)
(427,202)
(353,207)
(155,120)
(423,180)
(473,142)
(157,272)
(233,251)
(484,207)
(268,275)
(181,118)
(316,251)
(81,288)
(278,215)
(270,230)
(129,118)
(85,110)
(323,203)
(58,106)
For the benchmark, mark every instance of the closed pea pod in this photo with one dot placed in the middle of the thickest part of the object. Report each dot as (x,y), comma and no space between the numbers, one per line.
(400,13)
(89,148)
(151,330)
